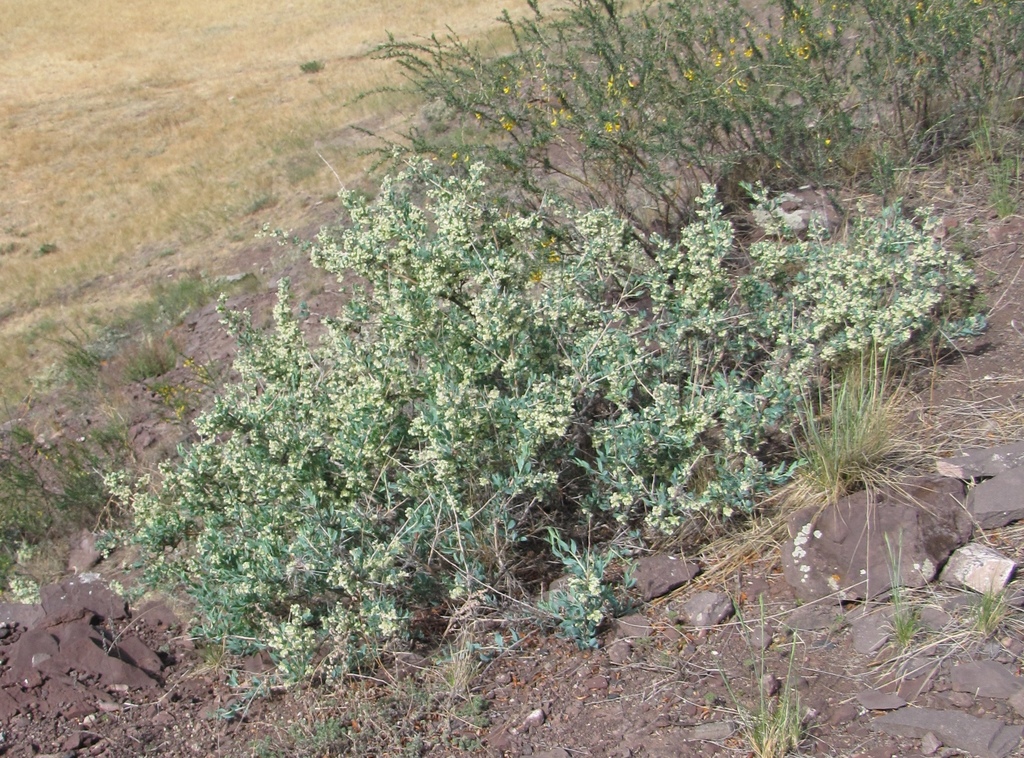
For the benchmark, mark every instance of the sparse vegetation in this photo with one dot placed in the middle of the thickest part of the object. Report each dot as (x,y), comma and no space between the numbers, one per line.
(773,726)
(990,612)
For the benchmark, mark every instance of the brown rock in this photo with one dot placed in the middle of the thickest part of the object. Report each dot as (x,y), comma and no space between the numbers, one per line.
(852,549)
(660,574)
(708,609)
(633,626)
(874,700)
(85,591)
(986,679)
(982,463)
(25,615)
(158,616)
(996,502)
(985,738)
(134,651)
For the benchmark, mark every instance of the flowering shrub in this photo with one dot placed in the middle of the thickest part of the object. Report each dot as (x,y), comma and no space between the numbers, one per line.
(637,108)
(499,373)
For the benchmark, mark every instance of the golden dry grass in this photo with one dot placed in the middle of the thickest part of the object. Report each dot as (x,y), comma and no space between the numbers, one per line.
(133,126)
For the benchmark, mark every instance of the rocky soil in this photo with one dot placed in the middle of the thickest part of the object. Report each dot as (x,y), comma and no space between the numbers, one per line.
(881,641)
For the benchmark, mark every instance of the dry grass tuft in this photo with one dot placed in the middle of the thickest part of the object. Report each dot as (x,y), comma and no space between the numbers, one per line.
(853,435)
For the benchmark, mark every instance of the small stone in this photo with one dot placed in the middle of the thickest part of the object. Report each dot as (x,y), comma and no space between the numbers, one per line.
(874,700)
(660,574)
(986,679)
(930,744)
(844,714)
(633,626)
(710,731)
(596,683)
(761,637)
(978,567)
(535,719)
(870,633)
(959,699)
(619,651)
(503,678)
(163,719)
(708,609)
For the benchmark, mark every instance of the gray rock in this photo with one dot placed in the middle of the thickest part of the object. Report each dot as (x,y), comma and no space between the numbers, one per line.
(997,502)
(875,700)
(760,636)
(930,744)
(985,679)
(633,626)
(985,738)
(978,567)
(707,609)
(870,633)
(813,617)
(1017,702)
(983,463)
(658,575)
(852,549)
(710,731)
(619,651)
(535,718)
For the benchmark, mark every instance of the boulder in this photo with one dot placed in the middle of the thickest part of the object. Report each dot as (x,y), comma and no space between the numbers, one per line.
(856,548)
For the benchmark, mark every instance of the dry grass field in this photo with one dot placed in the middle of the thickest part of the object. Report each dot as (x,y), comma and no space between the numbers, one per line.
(134,130)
